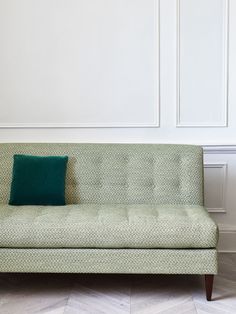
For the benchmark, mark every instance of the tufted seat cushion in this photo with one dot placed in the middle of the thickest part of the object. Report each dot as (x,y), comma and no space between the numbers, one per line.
(107,226)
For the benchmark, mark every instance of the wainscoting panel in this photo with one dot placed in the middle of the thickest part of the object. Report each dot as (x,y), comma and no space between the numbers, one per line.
(79,63)
(215,176)
(202,63)
(227,239)
(220,192)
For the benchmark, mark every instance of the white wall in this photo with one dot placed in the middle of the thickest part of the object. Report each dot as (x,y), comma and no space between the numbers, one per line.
(126,71)
(220,196)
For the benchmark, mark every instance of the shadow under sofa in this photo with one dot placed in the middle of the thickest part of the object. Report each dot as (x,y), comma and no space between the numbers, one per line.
(131,208)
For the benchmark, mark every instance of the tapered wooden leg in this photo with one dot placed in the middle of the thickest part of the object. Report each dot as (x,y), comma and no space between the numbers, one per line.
(209,284)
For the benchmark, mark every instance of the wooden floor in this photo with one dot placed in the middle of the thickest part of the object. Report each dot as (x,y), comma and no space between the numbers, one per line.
(113,294)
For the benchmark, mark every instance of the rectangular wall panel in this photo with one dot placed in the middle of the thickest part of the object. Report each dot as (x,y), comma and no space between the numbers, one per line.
(79,63)
(215,177)
(202,63)
(220,196)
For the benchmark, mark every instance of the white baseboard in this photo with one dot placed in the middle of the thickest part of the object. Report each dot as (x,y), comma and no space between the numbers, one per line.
(227,240)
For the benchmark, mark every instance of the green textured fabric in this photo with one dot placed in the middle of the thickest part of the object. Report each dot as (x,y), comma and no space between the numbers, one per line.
(38,180)
(119,173)
(107,226)
(109,261)
(123,192)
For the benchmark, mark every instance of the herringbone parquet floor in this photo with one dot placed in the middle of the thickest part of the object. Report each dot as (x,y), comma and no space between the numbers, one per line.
(113,294)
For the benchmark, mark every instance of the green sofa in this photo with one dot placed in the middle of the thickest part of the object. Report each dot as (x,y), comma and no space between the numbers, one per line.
(131,208)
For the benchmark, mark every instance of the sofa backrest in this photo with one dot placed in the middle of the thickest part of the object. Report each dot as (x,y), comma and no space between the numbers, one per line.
(119,173)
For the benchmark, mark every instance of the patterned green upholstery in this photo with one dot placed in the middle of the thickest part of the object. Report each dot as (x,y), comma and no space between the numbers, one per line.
(107,226)
(162,261)
(137,208)
(119,173)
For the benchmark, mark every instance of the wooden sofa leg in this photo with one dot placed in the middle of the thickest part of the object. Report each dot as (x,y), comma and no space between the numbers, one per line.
(209,284)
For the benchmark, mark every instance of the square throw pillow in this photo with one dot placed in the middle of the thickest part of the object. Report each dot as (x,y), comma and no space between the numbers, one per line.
(38,180)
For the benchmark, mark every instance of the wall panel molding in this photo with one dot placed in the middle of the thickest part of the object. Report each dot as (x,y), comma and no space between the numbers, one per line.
(219,156)
(224,110)
(219,149)
(64,111)
(222,184)
(227,239)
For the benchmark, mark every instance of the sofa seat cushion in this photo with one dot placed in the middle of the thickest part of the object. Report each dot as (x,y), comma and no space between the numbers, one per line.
(107,226)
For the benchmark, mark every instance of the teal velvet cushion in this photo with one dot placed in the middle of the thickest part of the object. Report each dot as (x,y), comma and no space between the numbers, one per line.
(38,180)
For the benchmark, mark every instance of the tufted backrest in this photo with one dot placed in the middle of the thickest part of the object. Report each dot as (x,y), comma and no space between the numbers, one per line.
(119,173)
